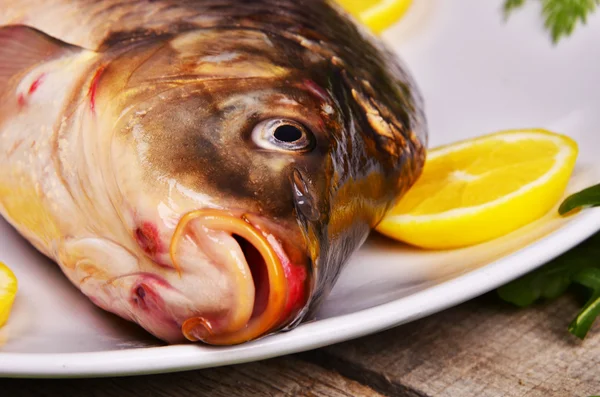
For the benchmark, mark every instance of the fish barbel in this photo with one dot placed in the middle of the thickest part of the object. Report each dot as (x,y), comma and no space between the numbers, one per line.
(202,168)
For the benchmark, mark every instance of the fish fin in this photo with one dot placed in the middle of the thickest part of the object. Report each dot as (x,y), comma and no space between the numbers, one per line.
(22,47)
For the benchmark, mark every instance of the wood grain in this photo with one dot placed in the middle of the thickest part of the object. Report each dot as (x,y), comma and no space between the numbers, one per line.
(278,377)
(481,348)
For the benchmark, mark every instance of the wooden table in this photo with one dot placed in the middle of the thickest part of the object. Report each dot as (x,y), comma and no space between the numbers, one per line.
(481,348)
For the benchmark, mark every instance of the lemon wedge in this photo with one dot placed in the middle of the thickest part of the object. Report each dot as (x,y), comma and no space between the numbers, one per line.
(378,15)
(8,291)
(480,189)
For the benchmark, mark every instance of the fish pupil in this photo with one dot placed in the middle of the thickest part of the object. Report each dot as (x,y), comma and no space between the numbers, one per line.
(287,133)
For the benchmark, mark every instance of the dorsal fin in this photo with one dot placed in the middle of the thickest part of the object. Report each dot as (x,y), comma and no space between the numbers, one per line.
(22,48)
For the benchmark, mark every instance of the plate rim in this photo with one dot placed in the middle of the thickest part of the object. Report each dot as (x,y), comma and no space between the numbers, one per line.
(311,335)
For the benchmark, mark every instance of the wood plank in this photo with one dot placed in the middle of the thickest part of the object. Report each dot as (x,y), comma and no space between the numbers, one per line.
(481,348)
(278,377)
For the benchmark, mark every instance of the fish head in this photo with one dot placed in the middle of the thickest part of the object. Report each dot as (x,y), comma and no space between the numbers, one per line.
(247,170)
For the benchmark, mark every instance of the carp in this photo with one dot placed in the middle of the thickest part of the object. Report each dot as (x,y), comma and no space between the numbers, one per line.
(202,168)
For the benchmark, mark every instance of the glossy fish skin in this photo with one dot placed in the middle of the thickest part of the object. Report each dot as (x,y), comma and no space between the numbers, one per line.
(159,109)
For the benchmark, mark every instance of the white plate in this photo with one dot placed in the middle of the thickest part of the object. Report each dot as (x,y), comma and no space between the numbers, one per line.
(478,75)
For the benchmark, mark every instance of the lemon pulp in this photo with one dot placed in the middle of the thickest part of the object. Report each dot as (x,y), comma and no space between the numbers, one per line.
(477,190)
(378,15)
(8,291)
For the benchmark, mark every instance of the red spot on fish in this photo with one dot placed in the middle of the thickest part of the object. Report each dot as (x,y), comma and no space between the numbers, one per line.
(148,238)
(145,294)
(296,277)
(139,296)
(36,84)
(21,100)
(94,87)
(150,308)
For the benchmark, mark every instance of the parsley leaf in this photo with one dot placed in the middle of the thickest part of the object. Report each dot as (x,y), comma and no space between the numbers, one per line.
(589,197)
(561,16)
(510,5)
(588,277)
(580,266)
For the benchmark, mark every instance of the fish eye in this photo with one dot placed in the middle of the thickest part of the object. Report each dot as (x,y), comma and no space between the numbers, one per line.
(283,135)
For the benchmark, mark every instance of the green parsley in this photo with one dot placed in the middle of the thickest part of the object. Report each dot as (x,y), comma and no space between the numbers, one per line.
(510,5)
(561,16)
(580,266)
(589,197)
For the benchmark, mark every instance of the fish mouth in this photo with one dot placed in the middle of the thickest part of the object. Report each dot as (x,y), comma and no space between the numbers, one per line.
(259,277)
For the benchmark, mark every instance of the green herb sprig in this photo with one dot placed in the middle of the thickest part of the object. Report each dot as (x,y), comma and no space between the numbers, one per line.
(589,197)
(561,16)
(580,266)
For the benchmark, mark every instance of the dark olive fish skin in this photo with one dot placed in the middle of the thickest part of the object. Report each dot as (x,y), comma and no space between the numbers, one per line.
(193,78)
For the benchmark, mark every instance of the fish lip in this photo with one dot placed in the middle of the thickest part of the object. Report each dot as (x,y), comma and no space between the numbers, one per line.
(298,266)
(248,325)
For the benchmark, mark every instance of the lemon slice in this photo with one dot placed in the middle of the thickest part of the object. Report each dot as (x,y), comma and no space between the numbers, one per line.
(477,190)
(377,14)
(8,290)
